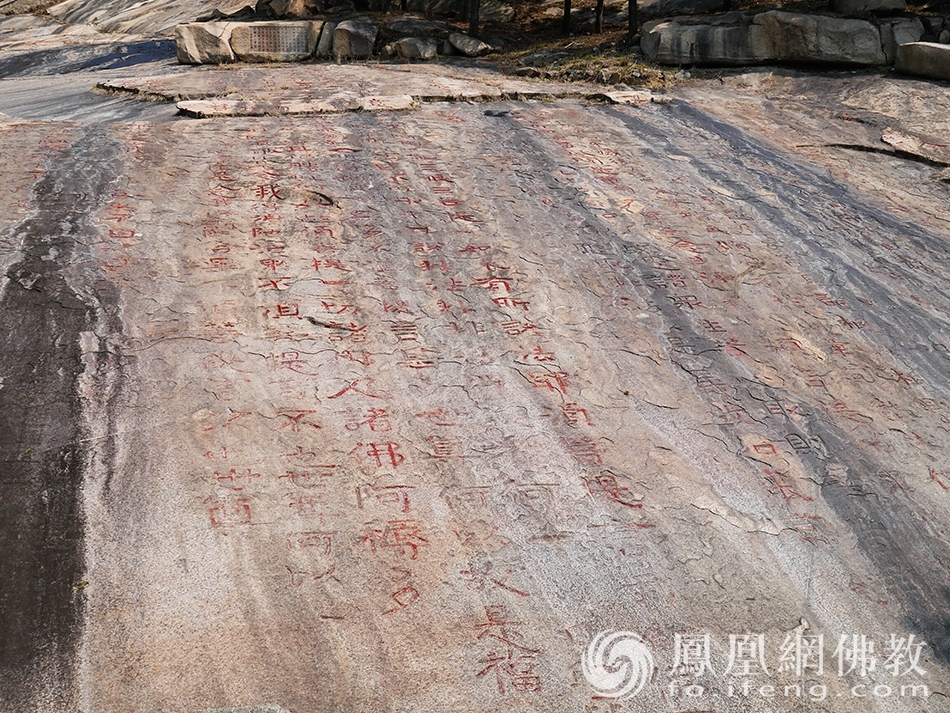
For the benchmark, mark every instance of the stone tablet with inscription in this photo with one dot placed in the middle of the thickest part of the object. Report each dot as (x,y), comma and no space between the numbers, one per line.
(275,41)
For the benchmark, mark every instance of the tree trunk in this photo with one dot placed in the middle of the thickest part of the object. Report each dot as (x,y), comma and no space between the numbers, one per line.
(632,20)
(599,17)
(566,21)
(473,10)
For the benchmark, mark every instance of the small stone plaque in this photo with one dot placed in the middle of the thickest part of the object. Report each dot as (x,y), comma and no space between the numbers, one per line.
(275,41)
(284,39)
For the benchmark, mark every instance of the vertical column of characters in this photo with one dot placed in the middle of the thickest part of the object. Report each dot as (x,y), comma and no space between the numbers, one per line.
(234,471)
(359,468)
(309,506)
(392,492)
(307,275)
(220,235)
(481,295)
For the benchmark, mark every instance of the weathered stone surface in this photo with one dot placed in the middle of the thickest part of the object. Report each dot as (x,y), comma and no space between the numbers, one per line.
(52,48)
(923,147)
(145,17)
(898,32)
(18,7)
(469,46)
(245,14)
(289,9)
(815,38)
(944,37)
(337,104)
(365,413)
(863,7)
(630,97)
(907,30)
(416,48)
(325,44)
(326,84)
(354,39)
(924,59)
(669,42)
(770,37)
(388,102)
(275,41)
(204,42)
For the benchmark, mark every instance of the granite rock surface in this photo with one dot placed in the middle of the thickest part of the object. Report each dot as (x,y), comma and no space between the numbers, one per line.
(408,410)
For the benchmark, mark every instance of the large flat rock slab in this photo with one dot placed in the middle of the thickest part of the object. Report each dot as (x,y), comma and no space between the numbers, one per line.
(425,410)
(208,108)
(332,88)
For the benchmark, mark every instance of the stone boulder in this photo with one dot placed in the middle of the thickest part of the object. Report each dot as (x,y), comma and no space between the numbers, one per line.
(325,44)
(289,9)
(724,43)
(354,39)
(864,7)
(899,31)
(924,59)
(204,42)
(416,48)
(275,41)
(815,38)
(934,25)
(243,14)
(469,46)
(774,36)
